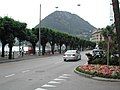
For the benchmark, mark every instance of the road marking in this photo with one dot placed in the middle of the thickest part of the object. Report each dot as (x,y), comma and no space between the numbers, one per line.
(10,75)
(53,82)
(63,77)
(25,71)
(46,85)
(58,79)
(66,75)
(40,89)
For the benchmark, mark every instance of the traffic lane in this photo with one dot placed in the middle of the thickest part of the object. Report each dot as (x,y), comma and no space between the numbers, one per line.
(55,72)
(11,69)
(8,69)
(16,67)
(39,75)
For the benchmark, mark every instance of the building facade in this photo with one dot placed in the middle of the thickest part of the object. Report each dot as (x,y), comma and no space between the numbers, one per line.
(97,36)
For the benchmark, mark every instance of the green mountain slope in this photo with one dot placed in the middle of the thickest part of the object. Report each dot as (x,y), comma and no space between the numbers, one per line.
(67,22)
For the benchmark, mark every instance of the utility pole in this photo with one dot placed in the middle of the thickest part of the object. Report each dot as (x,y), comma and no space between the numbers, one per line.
(40,32)
(115,4)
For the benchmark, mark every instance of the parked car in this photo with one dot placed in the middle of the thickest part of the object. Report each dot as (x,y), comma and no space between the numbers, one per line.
(72,55)
(97,52)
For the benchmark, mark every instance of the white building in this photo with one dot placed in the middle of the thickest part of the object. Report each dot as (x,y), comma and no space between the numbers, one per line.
(97,36)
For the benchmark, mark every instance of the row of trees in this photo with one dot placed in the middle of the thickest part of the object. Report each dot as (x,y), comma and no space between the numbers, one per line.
(11,29)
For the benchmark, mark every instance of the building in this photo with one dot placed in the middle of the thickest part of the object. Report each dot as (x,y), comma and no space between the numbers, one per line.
(97,36)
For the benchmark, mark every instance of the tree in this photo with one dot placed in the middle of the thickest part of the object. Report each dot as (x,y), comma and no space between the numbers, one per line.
(9,29)
(3,36)
(32,38)
(6,34)
(44,38)
(116,10)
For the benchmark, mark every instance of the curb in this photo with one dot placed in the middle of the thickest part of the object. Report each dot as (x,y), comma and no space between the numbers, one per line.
(95,77)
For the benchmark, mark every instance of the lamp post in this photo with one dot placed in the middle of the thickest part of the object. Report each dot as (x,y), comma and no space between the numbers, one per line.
(81,45)
(40,32)
(108,49)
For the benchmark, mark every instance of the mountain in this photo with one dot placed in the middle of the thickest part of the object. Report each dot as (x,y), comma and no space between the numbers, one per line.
(67,22)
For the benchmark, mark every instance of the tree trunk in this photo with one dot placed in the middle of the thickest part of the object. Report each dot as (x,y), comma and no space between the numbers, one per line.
(3,51)
(115,4)
(60,48)
(34,45)
(10,51)
(52,48)
(43,49)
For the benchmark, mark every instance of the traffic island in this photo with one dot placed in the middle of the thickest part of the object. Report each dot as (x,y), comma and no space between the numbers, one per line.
(99,72)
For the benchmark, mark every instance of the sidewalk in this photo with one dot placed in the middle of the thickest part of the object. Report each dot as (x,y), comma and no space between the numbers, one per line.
(25,57)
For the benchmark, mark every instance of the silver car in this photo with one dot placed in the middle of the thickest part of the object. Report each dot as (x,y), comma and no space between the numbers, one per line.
(72,55)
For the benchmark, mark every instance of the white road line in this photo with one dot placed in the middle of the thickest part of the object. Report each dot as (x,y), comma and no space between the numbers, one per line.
(40,89)
(25,71)
(63,77)
(46,85)
(53,82)
(10,75)
(58,79)
(66,75)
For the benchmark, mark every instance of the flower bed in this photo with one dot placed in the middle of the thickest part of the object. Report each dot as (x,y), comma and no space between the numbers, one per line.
(100,70)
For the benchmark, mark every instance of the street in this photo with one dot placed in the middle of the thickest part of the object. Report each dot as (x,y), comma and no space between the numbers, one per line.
(49,73)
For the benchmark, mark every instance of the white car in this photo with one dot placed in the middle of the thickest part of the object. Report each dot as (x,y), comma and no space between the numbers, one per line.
(72,55)
(97,52)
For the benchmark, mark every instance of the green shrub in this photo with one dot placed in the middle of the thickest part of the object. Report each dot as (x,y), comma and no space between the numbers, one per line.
(114,61)
(101,61)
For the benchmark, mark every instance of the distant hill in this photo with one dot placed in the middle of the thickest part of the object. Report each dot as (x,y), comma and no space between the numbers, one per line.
(69,23)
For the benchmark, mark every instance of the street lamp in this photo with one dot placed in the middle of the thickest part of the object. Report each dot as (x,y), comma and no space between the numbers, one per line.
(40,32)
(81,45)
(108,49)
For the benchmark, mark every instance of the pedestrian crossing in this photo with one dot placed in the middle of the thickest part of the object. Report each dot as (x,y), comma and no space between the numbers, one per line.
(52,83)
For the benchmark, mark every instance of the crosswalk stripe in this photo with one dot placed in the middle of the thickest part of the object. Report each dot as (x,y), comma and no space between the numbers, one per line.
(58,79)
(63,77)
(40,89)
(53,82)
(46,85)
(66,75)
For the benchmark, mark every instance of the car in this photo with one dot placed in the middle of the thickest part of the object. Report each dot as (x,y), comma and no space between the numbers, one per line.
(97,52)
(72,55)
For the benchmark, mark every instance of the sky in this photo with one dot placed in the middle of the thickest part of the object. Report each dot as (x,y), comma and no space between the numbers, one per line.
(96,12)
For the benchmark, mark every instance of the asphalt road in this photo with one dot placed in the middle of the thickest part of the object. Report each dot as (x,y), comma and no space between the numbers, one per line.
(49,73)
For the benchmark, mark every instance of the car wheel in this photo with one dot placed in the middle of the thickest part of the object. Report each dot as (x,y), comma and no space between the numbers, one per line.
(64,59)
